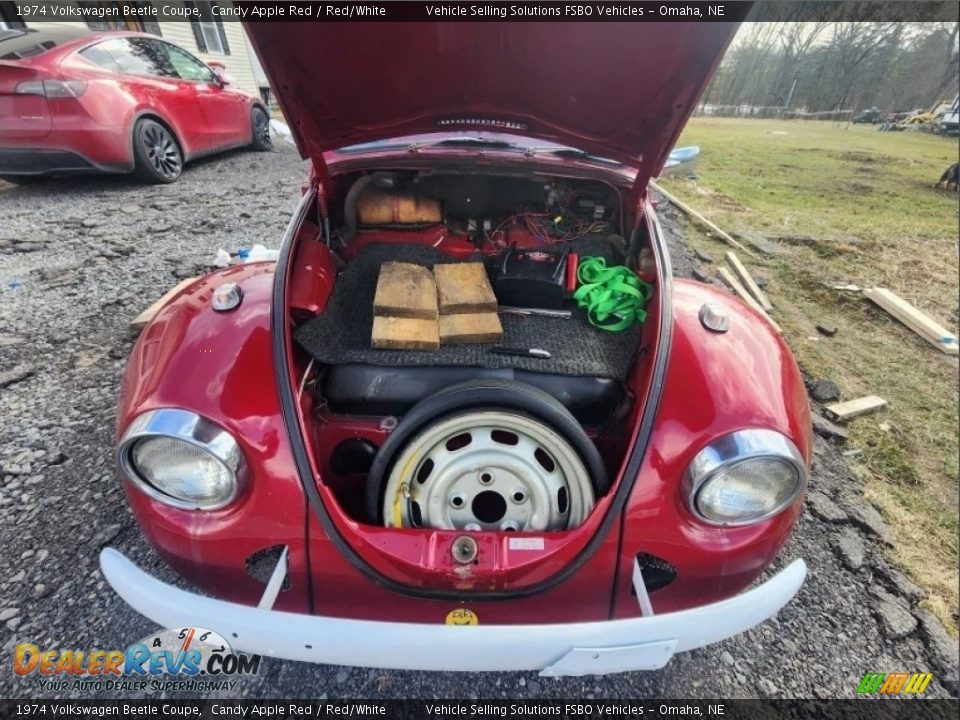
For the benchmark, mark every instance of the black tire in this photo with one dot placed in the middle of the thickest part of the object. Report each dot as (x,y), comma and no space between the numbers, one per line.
(156,152)
(471,395)
(260,126)
(25,179)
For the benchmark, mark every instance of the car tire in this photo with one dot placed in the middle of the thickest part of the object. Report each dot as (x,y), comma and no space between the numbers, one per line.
(260,127)
(487,394)
(156,153)
(25,179)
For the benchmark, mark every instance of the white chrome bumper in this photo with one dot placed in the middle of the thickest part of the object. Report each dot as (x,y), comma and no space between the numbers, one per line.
(643,643)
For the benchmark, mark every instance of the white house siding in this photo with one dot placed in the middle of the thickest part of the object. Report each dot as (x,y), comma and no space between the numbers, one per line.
(238,62)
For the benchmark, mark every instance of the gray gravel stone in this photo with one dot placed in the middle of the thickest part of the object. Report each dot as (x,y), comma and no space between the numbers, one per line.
(703,255)
(941,649)
(897,582)
(700,275)
(864,515)
(825,508)
(826,429)
(824,390)
(107,535)
(15,375)
(8,613)
(850,549)
(893,615)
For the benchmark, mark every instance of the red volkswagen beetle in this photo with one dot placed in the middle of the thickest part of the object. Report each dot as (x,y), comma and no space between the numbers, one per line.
(592,507)
(72,101)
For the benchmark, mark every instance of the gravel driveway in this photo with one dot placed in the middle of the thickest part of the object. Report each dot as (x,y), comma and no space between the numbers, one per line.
(80,258)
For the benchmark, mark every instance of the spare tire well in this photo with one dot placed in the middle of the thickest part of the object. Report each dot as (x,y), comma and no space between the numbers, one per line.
(517,430)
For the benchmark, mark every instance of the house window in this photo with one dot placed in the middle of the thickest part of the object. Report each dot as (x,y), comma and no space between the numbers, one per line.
(208,30)
(8,16)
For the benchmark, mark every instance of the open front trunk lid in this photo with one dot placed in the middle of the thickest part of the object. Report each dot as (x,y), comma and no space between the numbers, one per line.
(619,90)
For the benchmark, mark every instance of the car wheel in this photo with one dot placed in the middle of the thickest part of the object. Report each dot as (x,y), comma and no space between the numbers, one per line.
(156,153)
(25,179)
(260,121)
(486,455)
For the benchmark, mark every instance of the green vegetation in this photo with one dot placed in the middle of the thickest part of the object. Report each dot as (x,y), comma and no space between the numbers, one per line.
(849,204)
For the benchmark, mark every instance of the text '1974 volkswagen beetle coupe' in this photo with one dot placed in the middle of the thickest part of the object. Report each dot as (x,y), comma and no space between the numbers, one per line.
(595,500)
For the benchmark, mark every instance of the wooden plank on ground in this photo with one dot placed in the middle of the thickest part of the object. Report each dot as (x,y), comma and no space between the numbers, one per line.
(464,288)
(746,297)
(855,408)
(749,282)
(922,324)
(147,315)
(694,215)
(390,333)
(405,290)
(470,328)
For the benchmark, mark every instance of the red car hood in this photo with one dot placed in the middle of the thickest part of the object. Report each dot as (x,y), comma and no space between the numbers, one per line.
(619,90)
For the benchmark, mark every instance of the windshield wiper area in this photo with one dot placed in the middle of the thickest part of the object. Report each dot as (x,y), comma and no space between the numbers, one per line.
(474,142)
(581,155)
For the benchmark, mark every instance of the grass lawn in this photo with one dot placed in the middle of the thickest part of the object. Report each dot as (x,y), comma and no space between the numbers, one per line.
(853,205)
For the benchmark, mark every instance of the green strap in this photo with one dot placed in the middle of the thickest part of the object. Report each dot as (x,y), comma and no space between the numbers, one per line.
(613,297)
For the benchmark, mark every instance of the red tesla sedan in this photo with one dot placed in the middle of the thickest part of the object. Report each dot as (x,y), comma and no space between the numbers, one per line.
(72,101)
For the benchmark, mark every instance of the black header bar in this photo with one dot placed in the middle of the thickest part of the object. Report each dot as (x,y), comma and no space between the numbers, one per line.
(867,709)
(496,11)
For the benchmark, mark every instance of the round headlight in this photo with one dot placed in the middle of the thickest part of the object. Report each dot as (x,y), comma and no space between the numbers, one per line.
(181,459)
(744,477)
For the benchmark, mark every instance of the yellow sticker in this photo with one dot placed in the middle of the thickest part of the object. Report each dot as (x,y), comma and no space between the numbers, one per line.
(462,616)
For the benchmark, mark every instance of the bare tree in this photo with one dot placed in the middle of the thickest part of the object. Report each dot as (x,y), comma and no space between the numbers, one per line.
(951,67)
(796,39)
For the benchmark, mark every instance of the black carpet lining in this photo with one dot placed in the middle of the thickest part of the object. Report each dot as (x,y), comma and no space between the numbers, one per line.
(342,333)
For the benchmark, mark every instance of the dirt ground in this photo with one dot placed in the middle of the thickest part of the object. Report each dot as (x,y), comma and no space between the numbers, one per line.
(79,258)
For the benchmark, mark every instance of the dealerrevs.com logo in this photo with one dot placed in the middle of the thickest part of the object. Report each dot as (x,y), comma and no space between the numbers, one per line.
(188,658)
(902,683)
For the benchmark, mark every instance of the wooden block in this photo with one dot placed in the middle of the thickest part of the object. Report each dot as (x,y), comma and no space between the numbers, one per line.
(749,281)
(854,408)
(464,288)
(147,315)
(390,333)
(745,296)
(923,325)
(470,328)
(405,290)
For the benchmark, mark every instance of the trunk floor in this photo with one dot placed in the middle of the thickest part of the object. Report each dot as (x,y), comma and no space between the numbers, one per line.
(342,333)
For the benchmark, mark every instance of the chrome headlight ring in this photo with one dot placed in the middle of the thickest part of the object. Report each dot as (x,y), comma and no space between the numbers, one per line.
(193,430)
(732,451)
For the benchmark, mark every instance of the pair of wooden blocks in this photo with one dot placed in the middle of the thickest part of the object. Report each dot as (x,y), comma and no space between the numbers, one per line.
(414,309)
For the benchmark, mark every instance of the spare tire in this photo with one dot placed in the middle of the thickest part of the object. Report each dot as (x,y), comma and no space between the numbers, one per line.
(486,455)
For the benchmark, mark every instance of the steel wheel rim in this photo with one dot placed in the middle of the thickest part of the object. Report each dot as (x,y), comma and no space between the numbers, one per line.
(514,474)
(261,128)
(161,150)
